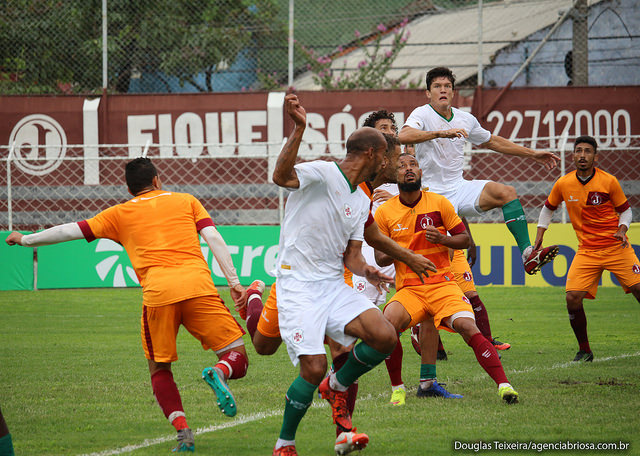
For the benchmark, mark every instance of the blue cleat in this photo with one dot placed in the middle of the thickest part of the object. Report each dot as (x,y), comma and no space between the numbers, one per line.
(435,390)
(214,378)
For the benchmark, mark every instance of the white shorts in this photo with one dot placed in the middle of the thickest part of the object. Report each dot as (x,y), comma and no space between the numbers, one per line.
(465,198)
(307,311)
(362,285)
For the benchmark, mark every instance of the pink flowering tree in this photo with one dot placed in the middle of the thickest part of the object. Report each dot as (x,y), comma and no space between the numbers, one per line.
(371,72)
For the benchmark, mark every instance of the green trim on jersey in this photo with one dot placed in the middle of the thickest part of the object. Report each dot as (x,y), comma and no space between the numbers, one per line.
(434,110)
(353,189)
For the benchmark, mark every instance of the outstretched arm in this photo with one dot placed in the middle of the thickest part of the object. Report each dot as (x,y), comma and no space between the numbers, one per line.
(355,262)
(387,250)
(504,146)
(410,135)
(221,253)
(284,173)
(53,235)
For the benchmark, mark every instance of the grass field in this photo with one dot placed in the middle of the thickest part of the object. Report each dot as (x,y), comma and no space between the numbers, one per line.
(75,381)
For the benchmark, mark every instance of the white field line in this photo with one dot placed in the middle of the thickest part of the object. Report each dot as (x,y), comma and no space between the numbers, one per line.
(243,419)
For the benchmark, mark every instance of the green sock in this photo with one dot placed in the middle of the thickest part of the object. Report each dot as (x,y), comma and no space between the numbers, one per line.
(6,446)
(427,372)
(365,359)
(298,399)
(517,223)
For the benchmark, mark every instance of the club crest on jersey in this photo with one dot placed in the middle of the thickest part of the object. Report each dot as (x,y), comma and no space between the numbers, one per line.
(467,276)
(298,336)
(424,220)
(348,212)
(597,198)
(636,269)
(360,286)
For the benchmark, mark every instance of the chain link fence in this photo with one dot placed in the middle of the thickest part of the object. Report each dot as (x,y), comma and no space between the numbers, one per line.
(237,190)
(160,46)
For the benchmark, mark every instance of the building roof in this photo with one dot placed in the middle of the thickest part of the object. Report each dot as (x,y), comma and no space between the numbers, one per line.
(450,38)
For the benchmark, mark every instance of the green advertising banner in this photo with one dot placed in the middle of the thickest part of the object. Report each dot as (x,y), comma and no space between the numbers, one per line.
(16,267)
(104,263)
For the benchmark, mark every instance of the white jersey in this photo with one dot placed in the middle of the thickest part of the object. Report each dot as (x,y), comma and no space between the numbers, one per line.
(320,218)
(442,159)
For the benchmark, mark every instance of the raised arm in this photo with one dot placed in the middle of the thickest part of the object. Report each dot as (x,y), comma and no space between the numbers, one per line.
(504,146)
(53,235)
(284,173)
(410,135)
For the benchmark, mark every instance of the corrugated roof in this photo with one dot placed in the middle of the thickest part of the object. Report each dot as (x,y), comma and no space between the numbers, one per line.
(449,38)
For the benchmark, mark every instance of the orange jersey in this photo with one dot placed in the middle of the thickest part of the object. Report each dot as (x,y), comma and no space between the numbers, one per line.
(592,205)
(406,225)
(368,190)
(159,231)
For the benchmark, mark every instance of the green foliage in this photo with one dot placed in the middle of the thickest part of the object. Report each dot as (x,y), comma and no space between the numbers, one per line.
(75,381)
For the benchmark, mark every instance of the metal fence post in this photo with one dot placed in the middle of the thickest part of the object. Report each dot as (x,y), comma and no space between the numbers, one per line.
(9,204)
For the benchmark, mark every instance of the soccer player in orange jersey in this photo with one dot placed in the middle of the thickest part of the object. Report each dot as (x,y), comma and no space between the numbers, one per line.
(600,215)
(420,221)
(159,230)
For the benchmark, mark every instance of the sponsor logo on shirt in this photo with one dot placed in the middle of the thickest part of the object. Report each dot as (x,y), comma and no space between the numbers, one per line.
(597,198)
(400,227)
(572,199)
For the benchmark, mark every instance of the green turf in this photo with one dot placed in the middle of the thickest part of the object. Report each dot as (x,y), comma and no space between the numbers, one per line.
(75,381)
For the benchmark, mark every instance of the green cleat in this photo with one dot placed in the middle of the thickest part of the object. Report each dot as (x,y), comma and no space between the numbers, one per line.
(583,356)
(398,396)
(214,378)
(508,394)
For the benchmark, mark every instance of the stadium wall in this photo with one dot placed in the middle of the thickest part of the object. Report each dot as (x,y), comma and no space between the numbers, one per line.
(104,264)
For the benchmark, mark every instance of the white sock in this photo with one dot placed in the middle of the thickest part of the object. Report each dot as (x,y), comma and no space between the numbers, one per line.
(397,387)
(503,384)
(426,384)
(335,384)
(282,443)
(526,253)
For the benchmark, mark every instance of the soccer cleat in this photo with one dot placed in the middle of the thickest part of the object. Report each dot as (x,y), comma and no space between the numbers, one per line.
(415,338)
(508,394)
(215,379)
(583,356)
(185,441)
(500,345)
(436,390)
(398,396)
(289,450)
(540,257)
(442,355)
(350,441)
(338,402)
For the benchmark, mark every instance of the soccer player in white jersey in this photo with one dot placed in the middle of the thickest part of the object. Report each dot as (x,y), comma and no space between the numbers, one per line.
(439,132)
(321,233)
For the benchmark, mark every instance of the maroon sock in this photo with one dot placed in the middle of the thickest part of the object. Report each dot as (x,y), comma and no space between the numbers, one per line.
(234,364)
(394,364)
(254,309)
(578,321)
(482,317)
(487,356)
(440,346)
(168,397)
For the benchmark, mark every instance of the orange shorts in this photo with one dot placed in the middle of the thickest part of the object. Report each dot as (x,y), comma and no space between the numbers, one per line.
(462,271)
(268,322)
(437,300)
(587,266)
(205,317)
